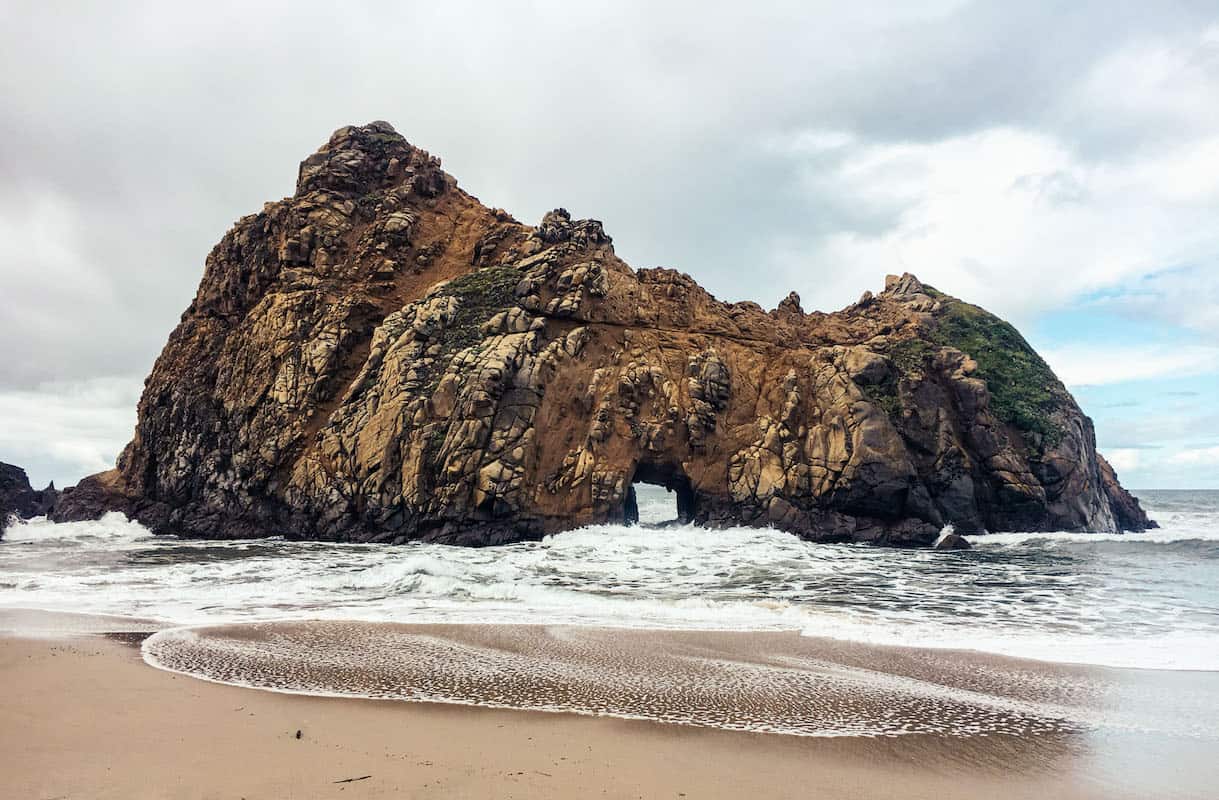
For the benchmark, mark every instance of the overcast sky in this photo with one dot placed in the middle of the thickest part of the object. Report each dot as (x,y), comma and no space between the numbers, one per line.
(1057,163)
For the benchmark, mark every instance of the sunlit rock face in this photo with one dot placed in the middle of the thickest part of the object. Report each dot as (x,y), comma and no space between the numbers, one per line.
(382,358)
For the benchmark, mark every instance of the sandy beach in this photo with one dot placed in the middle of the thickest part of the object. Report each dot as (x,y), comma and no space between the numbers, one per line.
(83,716)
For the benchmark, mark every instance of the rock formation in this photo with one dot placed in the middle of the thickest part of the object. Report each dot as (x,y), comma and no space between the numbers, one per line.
(19,499)
(382,358)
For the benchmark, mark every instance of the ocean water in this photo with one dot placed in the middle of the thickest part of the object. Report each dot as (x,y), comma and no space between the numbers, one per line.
(1146,600)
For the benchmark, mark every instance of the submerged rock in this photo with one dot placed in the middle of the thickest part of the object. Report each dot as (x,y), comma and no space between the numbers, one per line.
(952,541)
(382,358)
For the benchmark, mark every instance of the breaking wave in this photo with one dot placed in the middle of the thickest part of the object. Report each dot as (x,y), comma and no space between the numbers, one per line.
(1135,600)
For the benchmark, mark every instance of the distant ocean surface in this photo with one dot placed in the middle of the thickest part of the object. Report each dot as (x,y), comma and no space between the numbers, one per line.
(1146,600)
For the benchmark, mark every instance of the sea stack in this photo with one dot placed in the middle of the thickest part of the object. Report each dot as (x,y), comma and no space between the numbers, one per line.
(20,500)
(382,358)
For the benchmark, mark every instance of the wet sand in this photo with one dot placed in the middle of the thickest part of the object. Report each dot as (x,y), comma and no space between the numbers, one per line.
(84,716)
(763,682)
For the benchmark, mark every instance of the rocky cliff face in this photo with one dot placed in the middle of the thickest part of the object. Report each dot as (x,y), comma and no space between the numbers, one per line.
(380,357)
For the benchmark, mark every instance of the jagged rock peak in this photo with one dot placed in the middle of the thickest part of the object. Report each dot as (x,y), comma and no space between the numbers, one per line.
(791,305)
(558,226)
(382,358)
(364,157)
(905,285)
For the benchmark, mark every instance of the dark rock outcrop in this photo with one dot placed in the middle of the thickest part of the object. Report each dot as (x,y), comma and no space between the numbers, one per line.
(382,358)
(19,499)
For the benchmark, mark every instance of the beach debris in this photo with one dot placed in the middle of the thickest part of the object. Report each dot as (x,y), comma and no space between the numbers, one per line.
(298,734)
(354,780)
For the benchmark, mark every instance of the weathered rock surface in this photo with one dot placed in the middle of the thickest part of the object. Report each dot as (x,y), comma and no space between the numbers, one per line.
(380,357)
(19,499)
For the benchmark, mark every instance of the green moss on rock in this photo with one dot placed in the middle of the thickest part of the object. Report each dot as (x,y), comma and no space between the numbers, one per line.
(884,396)
(1024,391)
(481,294)
(909,355)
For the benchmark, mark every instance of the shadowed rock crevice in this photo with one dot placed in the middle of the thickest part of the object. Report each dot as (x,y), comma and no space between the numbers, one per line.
(380,357)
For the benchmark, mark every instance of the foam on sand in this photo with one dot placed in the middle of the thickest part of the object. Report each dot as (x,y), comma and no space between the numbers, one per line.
(765,682)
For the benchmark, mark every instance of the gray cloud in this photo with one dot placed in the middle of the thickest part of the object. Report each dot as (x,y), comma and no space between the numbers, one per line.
(135,134)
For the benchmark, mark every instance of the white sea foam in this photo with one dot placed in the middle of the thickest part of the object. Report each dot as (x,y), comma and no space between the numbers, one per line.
(111,527)
(743,681)
(1134,600)
(771,685)
(1164,536)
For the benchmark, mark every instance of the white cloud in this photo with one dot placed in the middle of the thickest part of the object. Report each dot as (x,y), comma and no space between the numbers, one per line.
(808,142)
(1009,218)
(1196,457)
(1100,365)
(1169,85)
(1187,296)
(1124,459)
(1115,180)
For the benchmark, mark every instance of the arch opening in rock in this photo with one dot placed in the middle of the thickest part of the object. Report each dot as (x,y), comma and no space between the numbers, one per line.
(647,506)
